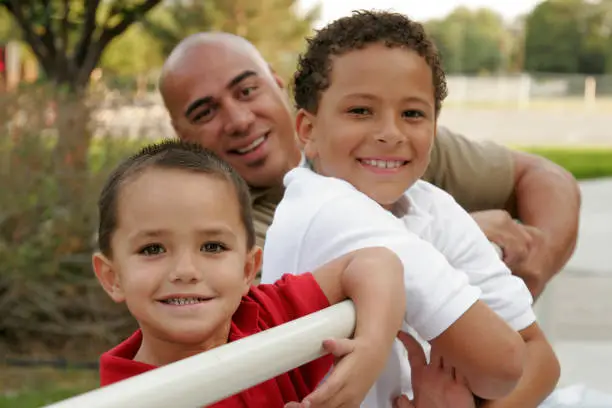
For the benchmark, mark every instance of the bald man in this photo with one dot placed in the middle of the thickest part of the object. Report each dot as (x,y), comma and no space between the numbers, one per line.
(221,93)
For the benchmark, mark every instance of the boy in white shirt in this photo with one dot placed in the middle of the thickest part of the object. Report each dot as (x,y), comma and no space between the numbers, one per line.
(369,91)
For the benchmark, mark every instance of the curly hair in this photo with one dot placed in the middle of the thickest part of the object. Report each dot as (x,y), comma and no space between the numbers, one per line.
(353,33)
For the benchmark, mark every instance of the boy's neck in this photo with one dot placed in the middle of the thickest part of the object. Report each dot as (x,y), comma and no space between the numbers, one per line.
(159,352)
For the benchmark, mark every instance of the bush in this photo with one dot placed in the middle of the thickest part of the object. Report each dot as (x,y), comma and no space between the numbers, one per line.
(50,302)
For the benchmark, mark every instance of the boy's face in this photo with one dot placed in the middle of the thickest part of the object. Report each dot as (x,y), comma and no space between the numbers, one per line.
(376,121)
(180,260)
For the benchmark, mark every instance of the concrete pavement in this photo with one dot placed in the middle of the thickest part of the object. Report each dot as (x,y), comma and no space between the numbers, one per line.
(575,311)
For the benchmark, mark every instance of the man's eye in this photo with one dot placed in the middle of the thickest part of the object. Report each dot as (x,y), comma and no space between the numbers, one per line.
(359,111)
(213,247)
(203,114)
(151,250)
(248,90)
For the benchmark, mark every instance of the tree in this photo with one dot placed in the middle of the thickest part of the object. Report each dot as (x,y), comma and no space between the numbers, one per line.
(68,37)
(470,41)
(273,26)
(568,36)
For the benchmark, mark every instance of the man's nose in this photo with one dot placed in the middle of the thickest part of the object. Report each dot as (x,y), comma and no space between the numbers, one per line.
(239,118)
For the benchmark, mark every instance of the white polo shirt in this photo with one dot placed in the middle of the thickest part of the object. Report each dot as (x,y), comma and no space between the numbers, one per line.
(448,261)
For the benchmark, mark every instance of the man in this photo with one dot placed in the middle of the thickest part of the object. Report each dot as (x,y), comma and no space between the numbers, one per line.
(220,92)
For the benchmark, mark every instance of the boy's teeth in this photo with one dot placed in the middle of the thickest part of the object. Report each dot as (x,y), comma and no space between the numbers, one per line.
(183,301)
(252,146)
(383,164)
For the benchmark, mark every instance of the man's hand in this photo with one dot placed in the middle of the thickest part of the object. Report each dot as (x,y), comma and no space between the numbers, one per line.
(511,237)
(526,249)
(535,269)
(357,367)
(435,385)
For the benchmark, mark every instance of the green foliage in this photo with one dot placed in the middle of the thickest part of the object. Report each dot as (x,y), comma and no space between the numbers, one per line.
(68,37)
(569,36)
(273,26)
(470,41)
(134,53)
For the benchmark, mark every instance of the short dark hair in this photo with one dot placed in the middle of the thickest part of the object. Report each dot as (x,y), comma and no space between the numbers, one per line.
(169,154)
(355,32)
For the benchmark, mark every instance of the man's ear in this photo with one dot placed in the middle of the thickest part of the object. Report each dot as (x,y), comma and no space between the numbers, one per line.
(279,81)
(304,124)
(108,277)
(252,266)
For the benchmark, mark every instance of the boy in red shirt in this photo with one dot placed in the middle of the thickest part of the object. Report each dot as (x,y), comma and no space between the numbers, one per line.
(177,245)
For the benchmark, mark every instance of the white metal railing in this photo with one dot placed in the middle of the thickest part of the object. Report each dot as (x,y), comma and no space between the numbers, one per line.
(212,376)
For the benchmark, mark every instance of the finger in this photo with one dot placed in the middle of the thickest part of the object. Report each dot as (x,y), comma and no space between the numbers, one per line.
(331,387)
(403,402)
(517,244)
(416,354)
(294,405)
(435,358)
(341,397)
(339,347)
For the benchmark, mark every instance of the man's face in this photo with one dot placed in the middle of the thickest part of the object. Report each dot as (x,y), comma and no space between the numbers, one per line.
(227,99)
(376,122)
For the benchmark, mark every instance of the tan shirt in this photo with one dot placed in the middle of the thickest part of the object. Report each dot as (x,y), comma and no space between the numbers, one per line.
(479,176)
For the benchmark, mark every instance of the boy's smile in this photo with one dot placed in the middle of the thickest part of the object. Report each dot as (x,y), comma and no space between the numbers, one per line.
(180,260)
(375,123)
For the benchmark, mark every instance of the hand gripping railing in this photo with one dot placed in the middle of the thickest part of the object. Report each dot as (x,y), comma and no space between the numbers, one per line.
(227,370)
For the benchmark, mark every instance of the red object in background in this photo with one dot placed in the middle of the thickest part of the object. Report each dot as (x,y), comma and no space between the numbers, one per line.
(2,59)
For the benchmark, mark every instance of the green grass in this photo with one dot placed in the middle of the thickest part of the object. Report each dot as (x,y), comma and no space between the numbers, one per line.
(583,162)
(36,387)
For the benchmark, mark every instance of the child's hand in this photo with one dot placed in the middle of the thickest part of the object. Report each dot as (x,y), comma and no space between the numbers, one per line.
(435,385)
(358,365)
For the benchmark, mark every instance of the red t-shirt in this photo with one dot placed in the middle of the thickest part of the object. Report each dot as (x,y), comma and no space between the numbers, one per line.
(265,306)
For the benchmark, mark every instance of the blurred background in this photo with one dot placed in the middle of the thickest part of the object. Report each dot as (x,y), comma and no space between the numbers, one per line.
(78,93)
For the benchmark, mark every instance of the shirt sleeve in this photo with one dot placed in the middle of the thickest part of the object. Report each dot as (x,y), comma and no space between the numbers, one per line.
(437,295)
(466,247)
(291,297)
(480,176)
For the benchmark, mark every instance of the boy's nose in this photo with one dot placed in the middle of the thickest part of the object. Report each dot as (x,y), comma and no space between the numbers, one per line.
(390,134)
(185,270)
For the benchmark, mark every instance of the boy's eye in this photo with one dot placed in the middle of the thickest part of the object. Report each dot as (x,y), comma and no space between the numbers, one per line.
(413,114)
(359,111)
(213,247)
(151,250)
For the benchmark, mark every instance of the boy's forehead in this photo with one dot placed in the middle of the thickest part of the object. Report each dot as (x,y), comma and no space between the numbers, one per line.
(396,69)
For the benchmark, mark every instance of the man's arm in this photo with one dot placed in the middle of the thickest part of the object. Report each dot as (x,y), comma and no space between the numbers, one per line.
(546,197)
(488,179)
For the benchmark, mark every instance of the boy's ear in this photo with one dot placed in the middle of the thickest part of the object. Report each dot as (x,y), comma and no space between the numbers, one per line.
(304,124)
(108,277)
(252,266)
